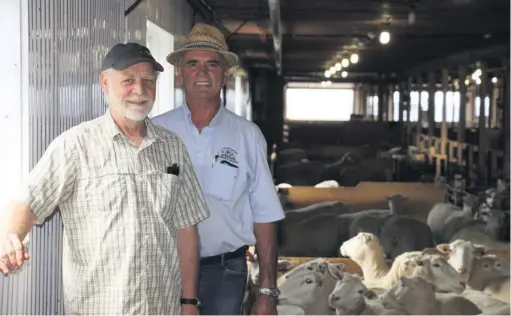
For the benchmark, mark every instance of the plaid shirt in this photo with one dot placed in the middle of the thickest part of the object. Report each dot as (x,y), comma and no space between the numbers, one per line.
(120,211)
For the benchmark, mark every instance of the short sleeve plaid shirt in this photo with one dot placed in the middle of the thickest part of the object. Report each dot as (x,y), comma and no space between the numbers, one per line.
(120,211)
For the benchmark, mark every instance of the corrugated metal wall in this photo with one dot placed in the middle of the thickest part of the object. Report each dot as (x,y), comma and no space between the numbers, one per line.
(66,42)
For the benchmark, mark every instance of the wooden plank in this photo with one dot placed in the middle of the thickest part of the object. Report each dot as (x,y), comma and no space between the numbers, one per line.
(367,195)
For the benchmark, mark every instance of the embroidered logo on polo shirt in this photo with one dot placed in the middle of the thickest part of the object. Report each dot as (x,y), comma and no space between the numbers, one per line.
(229,155)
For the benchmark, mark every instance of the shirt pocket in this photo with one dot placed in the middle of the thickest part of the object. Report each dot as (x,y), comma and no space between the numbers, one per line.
(222,181)
(164,191)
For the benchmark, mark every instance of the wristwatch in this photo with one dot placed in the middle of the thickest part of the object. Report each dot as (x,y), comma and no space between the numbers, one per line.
(273,292)
(191,301)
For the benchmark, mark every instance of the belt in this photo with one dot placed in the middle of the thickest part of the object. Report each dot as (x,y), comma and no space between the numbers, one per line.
(221,258)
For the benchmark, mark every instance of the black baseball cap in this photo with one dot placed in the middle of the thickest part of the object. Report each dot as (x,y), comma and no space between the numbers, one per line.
(123,55)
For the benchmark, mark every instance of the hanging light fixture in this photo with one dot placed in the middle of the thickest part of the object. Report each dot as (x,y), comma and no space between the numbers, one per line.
(338,66)
(345,62)
(354,58)
(384,37)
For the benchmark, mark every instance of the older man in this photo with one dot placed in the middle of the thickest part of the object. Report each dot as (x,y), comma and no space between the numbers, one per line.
(129,212)
(229,156)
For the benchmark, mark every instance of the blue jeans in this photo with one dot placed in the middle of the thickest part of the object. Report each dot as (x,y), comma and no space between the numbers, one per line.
(222,287)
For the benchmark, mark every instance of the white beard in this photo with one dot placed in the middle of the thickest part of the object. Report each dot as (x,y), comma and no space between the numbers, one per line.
(131,112)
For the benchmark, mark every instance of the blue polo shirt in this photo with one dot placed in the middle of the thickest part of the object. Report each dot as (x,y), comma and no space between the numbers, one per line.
(229,157)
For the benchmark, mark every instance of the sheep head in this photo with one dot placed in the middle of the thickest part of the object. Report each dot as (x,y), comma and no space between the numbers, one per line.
(349,294)
(438,272)
(413,295)
(362,245)
(397,203)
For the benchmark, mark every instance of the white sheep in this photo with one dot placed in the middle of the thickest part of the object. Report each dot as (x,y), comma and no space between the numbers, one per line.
(330,272)
(289,310)
(491,275)
(416,296)
(351,297)
(366,251)
(307,291)
(460,255)
(441,213)
(327,184)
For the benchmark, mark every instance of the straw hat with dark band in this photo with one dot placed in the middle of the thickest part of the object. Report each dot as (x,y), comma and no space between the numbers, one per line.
(204,37)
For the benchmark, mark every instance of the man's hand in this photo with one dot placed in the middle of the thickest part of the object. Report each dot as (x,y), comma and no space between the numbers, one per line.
(188,309)
(12,253)
(264,305)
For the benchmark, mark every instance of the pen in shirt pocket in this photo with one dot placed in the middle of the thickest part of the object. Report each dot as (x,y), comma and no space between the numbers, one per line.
(214,160)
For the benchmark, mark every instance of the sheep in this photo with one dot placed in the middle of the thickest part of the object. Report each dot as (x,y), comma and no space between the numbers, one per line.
(485,302)
(484,233)
(306,290)
(401,234)
(440,214)
(289,310)
(460,255)
(366,251)
(321,234)
(416,296)
(327,207)
(351,297)
(491,275)
(318,236)
(327,184)
(372,223)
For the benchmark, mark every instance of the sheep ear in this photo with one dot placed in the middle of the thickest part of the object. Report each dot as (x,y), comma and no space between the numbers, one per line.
(480,250)
(284,265)
(444,248)
(336,270)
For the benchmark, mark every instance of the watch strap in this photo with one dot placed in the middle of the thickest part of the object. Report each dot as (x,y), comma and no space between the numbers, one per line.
(273,292)
(190,301)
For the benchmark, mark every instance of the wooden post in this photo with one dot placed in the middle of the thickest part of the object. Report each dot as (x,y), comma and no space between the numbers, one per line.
(462,73)
(443,132)
(418,127)
(483,141)
(505,113)
(431,107)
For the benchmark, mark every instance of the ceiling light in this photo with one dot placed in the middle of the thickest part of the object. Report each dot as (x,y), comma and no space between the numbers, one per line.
(344,74)
(338,66)
(494,79)
(345,62)
(384,37)
(467,82)
(354,58)
(328,82)
(327,74)
(478,81)
(332,70)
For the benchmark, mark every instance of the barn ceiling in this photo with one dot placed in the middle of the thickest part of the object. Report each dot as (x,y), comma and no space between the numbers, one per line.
(315,34)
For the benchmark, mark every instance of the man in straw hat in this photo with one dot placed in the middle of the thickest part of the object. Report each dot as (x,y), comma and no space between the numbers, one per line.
(129,212)
(229,155)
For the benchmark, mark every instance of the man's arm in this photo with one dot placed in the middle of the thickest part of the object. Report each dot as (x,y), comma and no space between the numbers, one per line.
(188,248)
(191,209)
(49,182)
(17,219)
(266,210)
(266,247)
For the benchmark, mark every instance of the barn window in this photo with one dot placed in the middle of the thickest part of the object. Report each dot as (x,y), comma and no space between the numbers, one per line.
(319,104)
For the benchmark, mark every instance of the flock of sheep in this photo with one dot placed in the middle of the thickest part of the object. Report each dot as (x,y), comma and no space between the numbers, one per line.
(455,262)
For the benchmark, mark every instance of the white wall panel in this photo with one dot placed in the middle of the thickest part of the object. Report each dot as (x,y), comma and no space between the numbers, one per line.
(54,66)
